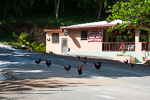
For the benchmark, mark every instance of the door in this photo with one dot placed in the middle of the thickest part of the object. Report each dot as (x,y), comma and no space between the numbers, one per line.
(64,43)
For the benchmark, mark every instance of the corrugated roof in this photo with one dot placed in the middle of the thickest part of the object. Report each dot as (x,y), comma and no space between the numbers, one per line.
(100,24)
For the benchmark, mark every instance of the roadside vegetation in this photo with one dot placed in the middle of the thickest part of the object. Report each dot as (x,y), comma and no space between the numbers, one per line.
(25,40)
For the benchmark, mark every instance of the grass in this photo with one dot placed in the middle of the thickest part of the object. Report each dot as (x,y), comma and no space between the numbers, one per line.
(123,55)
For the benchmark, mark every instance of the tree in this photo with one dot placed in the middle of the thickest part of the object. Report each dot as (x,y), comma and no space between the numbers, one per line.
(100,4)
(31,2)
(131,12)
(57,2)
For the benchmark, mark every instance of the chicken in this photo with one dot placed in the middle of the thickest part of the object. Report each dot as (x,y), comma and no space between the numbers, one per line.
(80,70)
(126,62)
(85,58)
(97,66)
(149,64)
(48,63)
(12,75)
(143,58)
(132,65)
(78,57)
(84,61)
(67,68)
(38,61)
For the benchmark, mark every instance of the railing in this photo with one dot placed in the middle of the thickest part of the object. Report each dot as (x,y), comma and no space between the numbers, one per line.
(145,46)
(118,46)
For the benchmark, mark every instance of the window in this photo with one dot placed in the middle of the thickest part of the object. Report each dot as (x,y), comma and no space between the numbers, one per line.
(55,37)
(84,35)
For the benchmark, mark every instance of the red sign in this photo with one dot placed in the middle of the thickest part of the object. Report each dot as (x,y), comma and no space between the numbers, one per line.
(95,36)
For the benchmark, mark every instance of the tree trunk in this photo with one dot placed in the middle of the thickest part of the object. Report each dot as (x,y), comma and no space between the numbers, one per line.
(31,4)
(100,9)
(57,8)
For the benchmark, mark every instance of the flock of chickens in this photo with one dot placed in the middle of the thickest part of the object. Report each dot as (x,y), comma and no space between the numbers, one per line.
(96,65)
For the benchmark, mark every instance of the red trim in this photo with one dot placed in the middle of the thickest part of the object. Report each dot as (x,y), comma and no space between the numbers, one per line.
(145,46)
(117,46)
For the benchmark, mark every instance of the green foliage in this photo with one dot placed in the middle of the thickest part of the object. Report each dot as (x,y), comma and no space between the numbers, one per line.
(38,47)
(123,55)
(133,12)
(16,44)
(22,40)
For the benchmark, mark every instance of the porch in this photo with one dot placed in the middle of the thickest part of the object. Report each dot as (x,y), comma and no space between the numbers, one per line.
(124,46)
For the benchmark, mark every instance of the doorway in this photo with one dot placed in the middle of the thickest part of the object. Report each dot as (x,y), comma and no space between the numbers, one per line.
(64,46)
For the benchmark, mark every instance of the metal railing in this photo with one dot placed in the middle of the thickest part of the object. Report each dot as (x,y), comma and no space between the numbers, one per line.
(145,46)
(118,46)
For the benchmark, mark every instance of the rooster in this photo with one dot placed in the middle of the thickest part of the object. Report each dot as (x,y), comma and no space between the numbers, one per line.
(85,58)
(80,70)
(97,66)
(67,68)
(132,65)
(48,63)
(126,62)
(78,57)
(38,61)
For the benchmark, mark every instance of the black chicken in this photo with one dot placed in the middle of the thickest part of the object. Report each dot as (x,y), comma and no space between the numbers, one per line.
(84,61)
(38,61)
(67,68)
(78,57)
(97,66)
(48,63)
(80,70)
(85,58)
(132,65)
(126,62)
(148,64)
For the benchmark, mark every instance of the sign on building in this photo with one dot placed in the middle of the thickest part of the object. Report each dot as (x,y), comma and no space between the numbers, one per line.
(95,36)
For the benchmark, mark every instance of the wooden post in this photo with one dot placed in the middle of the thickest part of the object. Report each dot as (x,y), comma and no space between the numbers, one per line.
(137,43)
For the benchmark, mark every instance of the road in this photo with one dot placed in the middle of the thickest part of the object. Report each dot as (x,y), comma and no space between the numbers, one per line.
(115,80)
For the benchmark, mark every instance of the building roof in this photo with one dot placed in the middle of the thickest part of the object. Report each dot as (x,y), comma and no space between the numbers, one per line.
(52,30)
(100,24)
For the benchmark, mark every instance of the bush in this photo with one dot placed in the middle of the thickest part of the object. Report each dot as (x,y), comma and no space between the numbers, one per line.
(22,40)
(38,47)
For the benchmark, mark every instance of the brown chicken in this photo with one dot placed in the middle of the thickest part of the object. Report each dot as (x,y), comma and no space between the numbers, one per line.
(143,58)
(126,62)
(97,66)
(38,61)
(67,68)
(80,70)
(48,63)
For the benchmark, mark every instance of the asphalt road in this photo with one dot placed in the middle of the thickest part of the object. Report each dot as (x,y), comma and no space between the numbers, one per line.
(114,81)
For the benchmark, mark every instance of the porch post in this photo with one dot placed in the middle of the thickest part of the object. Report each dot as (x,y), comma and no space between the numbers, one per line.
(138,45)
(101,43)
